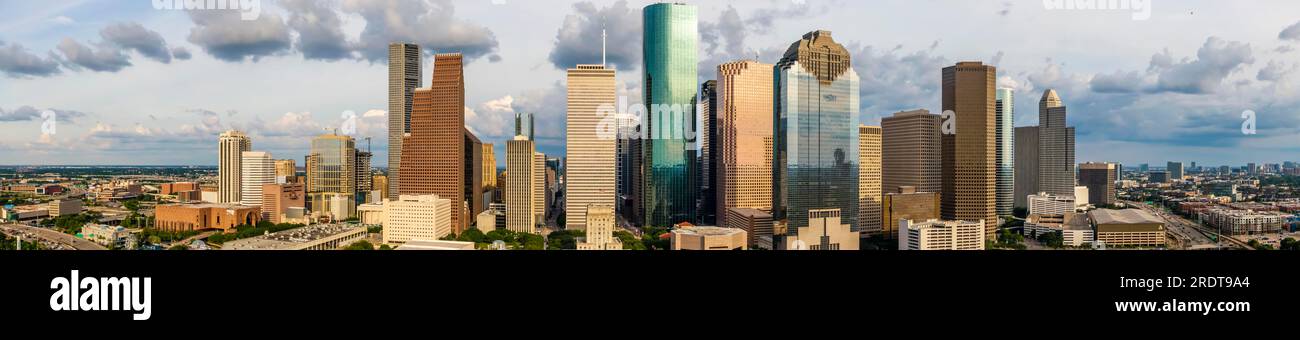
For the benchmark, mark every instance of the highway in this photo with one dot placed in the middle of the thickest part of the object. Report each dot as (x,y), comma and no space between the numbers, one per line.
(1183,223)
(50,236)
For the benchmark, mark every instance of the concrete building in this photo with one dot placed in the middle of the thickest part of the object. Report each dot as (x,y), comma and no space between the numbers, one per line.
(824,231)
(489,167)
(286,170)
(1128,228)
(757,225)
(1055,147)
(433,152)
(1075,229)
(670,45)
(231,147)
(1100,180)
(278,199)
(111,236)
(258,170)
(970,153)
(409,218)
(316,237)
(743,159)
(911,156)
(173,188)
(1243,222)
(404,76)
(869,181)
(591,174)
(600,229)
(816,135)
(65,207)
(196,217)
(941,235)
(1176,172)
(1004,113)
(436,245)
(520,188)
(1158,177)
(371,213)
(907,204)
(1026,172)
(709,238)
(1048,204)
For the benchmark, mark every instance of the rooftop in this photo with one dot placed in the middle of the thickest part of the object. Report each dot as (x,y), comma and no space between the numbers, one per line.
(1128,216)
(707,231)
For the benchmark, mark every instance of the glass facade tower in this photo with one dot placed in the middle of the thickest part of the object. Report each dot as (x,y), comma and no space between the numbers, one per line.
(670,54)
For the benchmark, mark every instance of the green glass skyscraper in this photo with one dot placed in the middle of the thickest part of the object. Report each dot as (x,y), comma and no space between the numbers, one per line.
(670,47)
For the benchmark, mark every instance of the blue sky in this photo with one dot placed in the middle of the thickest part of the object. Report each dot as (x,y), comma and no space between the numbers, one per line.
(136,85)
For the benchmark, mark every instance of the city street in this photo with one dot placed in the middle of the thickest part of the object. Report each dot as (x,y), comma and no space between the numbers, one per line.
(52,239)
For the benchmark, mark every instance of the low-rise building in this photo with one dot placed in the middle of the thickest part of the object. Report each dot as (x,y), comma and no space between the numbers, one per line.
(316,237)
(1075,229)
(709,238)
(1128,228)
(410,218)
(1047,204)
(941,235)
(111,236)
(436,245)
(371,213)
(1243,222)
(757,224)
(193,217)
(65,207)
(825,231)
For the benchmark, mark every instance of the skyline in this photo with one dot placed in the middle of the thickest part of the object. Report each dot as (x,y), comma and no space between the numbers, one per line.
(1138,93)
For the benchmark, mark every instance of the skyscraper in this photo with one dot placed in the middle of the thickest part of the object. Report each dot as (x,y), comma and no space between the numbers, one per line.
(525,125)
(1026,159)
(364,178)
(404,77)
(286,168)
(709,211)
(258,169)
(433,152)
(1176,172)
(1006,144)
(473,172)
(600,229)
(590,176)
(670,47)
(331,176)
(970,152)
(741,112)
(869,178)
(540,203)
(816,133)
(1055,147)
(1100,179)
(231,147)
(489,167)
(911,152)
(520,211)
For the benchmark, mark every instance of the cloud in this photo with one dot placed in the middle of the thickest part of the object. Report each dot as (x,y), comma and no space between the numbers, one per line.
(320,31)
(894,80)
(181,53)
(431,24)
(1118,82)
(17,62)
(224,35)
(104,57)
(1290,33)
(133,36)
(1217,59)
(493,119)
(575,40)
(28,113)
(1274,71)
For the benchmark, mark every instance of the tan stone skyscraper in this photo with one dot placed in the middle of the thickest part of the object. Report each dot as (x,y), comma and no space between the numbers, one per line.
(911,152)
(231,148)
(744,143)
(519,192)
(869,177)
(539,186)
(286,168)
(489,166)
(433,151)
(404,77)
(969,153)
(591,174)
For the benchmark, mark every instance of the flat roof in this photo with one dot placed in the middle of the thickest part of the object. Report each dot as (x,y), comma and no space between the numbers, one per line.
(707,231)
(1127,216)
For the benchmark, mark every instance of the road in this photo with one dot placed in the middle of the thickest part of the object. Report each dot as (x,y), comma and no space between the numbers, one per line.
(1188,225)
(52,236)
(191,239)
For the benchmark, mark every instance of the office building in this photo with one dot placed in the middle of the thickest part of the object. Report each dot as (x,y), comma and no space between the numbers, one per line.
(743,145)
(823,231)
(970,152)
(869,181)
(65,207)
(232,145)
(433,153)
(381,185)
(1158,177)
(757,225)
(941,235)
(258,170)
(410,218)
(404,77)
(816,135)
(1176,172)
(1004,112)
(473,172)
(1100,179)
(590,175)
(173,188)
(1055,147)
(520,188)
(541,204)
(671,47)
(907,204)
(278,199)
(286,170)
(1026,172)
(1128,228)
(710,152)
(489,167)
(525,125)
(910,144)
(1075,229)
(600,226)
(331,177)
(709,238)
(365,178)
(1048,204)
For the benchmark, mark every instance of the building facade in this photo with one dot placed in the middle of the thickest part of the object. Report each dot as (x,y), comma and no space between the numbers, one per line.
(413,218)
(433,152)
(232,145)
(521,213)
(709,238)
(757,224)
(1006,144)
(941,235)
(824,230)
(404,77)
(196,217)
(331,177)
(1055,147)
(591,173)
(970,149)
(1026,173)
(670,53)
(277,199)
(1100,179)
(907,204)
(600,226)
(911,157)
(869,181)
(258,169)
(743,145)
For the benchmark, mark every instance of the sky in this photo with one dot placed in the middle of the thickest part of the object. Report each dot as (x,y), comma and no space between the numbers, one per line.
(131,84)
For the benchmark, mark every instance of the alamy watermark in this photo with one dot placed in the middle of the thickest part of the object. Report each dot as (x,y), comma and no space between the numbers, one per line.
(49,123)
(672,121)
(1141,8)
(1248,123)
(249,10)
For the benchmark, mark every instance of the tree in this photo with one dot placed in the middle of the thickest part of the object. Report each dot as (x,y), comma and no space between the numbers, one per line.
(472,235)
(360,245)
(1290,244)
(564,239)
(532,241)
(630,242)
(385,247)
